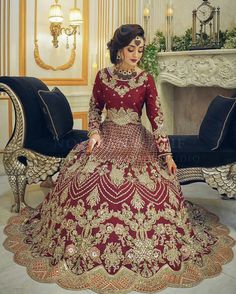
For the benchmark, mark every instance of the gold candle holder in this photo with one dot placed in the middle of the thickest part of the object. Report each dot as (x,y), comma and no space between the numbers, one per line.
(218,27)
(194,27)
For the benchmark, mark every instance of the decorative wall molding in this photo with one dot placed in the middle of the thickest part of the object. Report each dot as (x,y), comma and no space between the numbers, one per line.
(24,50)
(43,65)
(206,68)
(83,116)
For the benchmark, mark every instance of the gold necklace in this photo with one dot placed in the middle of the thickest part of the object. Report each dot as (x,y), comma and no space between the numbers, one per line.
(124,74)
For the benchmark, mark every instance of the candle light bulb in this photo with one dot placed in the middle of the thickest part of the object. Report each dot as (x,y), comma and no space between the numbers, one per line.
(94,65)
(146,12)
(170,11)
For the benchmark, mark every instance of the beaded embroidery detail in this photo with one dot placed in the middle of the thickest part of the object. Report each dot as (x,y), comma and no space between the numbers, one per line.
(121,89)
(123,116)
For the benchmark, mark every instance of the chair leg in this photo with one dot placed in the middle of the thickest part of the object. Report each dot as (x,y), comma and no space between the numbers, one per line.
(18,185)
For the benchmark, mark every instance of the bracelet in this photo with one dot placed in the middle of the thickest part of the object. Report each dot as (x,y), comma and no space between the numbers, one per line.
(164,155)
(92,139)
(93,132)
(169,156)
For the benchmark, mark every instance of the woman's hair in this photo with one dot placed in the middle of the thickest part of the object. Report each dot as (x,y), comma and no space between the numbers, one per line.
(122,37)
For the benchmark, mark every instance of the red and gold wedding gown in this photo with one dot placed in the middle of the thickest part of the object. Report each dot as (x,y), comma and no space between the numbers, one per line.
(116,221)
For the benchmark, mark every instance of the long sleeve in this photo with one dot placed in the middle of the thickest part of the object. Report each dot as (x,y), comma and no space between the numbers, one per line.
(155,116)
(96,106)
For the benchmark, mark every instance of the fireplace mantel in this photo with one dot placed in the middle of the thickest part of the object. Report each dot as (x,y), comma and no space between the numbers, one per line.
(204,68)
(197,68)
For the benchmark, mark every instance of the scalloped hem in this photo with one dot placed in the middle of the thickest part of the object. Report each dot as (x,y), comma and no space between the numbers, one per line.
(125,281)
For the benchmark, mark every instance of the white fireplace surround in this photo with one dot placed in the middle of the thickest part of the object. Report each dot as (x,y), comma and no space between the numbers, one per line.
(198,68)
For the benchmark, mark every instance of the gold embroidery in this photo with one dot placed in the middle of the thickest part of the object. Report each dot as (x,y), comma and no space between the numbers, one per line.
(112,256)
(173,199)
(137,201)
(123,116)
(93,198)
(159,133)
(90,166)
(144,178)
(117,176)
(143,257)
(122,89)
(94,115)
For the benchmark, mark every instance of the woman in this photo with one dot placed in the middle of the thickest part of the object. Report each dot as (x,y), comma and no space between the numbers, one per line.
(116,220)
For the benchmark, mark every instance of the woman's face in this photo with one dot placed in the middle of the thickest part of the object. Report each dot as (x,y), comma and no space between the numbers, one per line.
(132,53)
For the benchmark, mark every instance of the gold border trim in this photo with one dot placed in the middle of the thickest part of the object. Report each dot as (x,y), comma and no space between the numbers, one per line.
(0,37)
(84,117)
(4,37)
(8,36)
(22,38)
(46,66)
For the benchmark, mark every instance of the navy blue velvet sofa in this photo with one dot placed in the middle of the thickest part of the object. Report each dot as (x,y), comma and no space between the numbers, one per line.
(199,160)
(32,153)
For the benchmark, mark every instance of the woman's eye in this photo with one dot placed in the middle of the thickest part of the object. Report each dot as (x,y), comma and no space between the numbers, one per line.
(140,51)
(130,50)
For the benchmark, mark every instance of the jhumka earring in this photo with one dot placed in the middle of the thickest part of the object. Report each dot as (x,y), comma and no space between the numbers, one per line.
(118,57)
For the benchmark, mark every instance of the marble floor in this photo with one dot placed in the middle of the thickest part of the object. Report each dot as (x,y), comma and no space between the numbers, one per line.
(14,279)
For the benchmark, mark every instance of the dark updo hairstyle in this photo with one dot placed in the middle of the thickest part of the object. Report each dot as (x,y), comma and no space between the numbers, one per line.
(122,37)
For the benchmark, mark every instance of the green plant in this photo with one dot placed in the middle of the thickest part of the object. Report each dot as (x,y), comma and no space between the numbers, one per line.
(160,40)
(230,39)
(222,37)
(182,43)
(149,60)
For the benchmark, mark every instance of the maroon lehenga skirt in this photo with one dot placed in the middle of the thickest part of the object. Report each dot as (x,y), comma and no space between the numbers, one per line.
(116,221)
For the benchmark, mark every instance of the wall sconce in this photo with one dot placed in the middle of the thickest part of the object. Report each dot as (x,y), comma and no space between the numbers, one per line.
(56,19)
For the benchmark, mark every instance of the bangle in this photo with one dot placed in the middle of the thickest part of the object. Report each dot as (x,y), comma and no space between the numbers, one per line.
(93,132)
(168,156)
(92,139)
(164,155)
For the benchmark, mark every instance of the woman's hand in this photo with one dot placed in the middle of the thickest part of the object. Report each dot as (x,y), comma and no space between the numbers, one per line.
(95,139)
(172,168)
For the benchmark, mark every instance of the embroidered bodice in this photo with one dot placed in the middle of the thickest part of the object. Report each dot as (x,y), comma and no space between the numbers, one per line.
(124,100)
